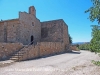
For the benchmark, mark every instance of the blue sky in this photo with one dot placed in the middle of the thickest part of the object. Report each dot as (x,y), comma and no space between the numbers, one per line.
(71,11)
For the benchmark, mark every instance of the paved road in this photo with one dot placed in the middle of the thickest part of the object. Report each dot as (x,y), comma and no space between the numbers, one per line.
(76,63)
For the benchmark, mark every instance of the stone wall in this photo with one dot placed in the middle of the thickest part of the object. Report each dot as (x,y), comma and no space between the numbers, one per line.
(7,49)
(30,52)
(51,48)
(20,30)
(1,31)
(9,30)
(29,26)
(65,35)
(12,31)
(55,31)
(73,47)
(43,49)
(52,31)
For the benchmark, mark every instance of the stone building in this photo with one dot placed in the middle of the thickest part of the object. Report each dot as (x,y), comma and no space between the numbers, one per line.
(23,29)
(28,28)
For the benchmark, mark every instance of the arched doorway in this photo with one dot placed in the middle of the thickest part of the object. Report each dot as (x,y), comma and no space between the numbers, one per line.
(32,39)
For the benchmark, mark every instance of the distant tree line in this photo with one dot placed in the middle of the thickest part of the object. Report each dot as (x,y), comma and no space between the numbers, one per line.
(84,46)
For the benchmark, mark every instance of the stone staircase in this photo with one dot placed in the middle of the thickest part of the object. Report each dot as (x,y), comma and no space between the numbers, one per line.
(18,55)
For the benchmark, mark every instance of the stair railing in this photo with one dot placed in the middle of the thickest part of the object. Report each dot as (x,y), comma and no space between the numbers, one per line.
(24,48)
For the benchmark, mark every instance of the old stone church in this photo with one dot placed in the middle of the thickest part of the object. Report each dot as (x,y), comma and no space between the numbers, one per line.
(28,29)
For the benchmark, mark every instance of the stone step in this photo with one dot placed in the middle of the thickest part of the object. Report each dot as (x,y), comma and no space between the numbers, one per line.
(20,54)
(22,51)
(13,58)
(16,56)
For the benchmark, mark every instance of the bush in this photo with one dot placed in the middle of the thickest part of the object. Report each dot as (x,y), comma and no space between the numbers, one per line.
(84,47)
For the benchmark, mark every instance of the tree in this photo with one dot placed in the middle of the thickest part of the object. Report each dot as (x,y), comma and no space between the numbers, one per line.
(70,39)
(94,11)
(95,15)
(77,45)
(84,46)
(95,41)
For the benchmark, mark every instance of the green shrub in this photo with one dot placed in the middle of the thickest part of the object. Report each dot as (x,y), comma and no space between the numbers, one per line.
(96,62)
(84,47)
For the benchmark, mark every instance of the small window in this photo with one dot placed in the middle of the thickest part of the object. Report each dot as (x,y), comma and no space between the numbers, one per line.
(32,23)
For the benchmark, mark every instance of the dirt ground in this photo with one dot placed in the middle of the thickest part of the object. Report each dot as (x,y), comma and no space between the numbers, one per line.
(76,63)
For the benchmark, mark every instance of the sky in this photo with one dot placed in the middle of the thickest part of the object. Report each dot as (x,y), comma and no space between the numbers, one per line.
(71,11)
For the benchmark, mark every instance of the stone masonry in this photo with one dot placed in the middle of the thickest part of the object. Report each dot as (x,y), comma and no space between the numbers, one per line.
(21,29)
(28,30)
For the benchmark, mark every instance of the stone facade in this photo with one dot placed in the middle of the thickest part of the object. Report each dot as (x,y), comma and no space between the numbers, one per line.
(55,31)
(27,25)
(52,36)
(9,30)
(52,31)
(42,49)
(21,29)
(6,49)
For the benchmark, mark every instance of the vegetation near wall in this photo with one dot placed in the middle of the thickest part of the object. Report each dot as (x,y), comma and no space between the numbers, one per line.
(74,47)
(84,46)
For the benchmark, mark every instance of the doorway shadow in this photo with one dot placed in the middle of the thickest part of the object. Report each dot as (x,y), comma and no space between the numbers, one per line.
(32,39)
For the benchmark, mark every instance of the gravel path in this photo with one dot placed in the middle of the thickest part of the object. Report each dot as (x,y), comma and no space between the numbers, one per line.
(64,64)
